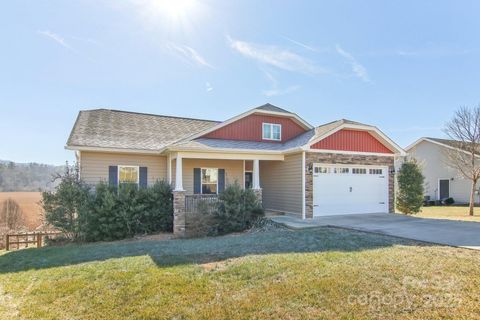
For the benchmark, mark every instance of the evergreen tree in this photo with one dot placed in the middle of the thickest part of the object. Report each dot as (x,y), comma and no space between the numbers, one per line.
(410,187)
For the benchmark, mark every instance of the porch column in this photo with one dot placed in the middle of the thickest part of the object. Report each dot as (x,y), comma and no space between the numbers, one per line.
(179,174)
(256,175)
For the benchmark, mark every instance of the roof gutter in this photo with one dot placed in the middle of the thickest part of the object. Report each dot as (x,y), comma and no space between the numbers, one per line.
(114,150)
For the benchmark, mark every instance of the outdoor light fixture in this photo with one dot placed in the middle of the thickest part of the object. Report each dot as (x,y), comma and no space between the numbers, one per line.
(310,168)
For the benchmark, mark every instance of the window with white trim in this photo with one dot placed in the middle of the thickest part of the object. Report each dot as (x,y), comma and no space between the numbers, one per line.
(359,171)
(341,170)
(209,180)
(375,171)
(272,131)
(128,174)
(322,170)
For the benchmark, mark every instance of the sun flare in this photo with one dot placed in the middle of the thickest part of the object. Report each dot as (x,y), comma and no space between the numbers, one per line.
(174,8)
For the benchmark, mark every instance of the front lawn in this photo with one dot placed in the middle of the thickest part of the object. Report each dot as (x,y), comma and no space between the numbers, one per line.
(282,274)
(449,212)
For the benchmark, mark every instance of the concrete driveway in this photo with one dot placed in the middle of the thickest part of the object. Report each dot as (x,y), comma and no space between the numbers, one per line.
(447,232)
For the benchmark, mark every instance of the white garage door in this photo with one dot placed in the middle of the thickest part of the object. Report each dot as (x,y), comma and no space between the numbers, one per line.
(348,189)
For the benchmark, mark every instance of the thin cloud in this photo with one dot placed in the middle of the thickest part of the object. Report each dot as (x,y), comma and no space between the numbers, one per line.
(275,90)
(55,37)
(301,44)
(275,56)
(189,54)
(359,70)
(208,87)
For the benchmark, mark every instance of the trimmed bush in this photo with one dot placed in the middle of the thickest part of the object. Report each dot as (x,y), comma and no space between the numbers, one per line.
(108,213)
(118,213)
(449,201)
(237,210)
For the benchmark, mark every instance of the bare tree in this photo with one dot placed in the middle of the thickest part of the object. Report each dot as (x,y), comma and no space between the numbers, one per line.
(464,129)
(11,215)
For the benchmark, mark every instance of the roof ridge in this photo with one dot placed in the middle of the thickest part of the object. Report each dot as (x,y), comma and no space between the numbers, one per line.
(150,114)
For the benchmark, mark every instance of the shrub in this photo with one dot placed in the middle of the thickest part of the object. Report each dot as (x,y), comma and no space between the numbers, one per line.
(237,210)
(410,188)
(66,207)
(118,213)
(449,201)
(108,213)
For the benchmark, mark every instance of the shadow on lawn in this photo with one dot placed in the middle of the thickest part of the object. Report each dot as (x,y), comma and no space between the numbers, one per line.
(204,250)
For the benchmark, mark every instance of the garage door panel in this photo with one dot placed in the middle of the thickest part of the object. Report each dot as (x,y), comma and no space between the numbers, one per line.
(364,191)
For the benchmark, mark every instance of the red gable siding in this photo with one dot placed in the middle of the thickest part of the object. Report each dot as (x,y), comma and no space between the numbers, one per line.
(352,140)
(250,129)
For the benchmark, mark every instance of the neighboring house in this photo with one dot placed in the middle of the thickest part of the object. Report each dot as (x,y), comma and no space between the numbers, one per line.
(336,168)
(441,180)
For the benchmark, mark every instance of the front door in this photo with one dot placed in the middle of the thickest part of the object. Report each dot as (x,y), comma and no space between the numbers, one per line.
(248,180)
(444,189)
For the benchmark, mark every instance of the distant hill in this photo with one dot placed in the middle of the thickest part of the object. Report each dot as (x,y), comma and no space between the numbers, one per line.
(27,176)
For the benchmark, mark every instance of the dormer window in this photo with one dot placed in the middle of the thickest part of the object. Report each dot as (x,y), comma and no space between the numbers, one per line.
(272,131)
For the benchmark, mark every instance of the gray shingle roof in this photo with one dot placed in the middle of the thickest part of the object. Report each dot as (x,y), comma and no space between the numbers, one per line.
(104,128)
(271,107)
(457,144)
(115,129)
(211,144)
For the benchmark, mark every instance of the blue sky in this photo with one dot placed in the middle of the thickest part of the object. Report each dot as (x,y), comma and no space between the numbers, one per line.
(404,66)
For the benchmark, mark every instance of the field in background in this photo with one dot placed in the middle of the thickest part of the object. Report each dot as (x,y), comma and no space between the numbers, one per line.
(29,203)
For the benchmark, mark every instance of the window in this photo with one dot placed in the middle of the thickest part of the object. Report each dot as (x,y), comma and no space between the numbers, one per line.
(272,131)
(128,174)
(209,181)
(322,170)
(341,170)
(359,171)
(375,171)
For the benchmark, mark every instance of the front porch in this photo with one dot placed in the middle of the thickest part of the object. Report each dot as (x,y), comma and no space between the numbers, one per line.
(201,176)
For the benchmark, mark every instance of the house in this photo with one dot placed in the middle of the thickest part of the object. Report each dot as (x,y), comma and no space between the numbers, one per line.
(441,179)
(341,167)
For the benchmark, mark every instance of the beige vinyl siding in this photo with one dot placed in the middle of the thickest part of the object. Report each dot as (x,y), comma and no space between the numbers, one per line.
(233,171)
(281,183)
(94,165)
(434,163)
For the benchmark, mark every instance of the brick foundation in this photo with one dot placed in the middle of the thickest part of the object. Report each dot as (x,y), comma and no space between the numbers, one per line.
(332,158)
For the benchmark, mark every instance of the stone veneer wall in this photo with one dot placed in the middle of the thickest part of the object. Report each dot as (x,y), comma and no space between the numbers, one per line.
(333,158)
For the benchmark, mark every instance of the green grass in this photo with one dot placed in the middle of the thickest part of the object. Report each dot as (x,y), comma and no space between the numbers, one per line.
(308,274)
(449,212)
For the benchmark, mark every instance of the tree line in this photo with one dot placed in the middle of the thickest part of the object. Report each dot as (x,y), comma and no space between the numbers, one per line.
(28,176)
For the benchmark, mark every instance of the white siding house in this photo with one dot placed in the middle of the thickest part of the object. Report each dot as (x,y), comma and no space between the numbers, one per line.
(441,180)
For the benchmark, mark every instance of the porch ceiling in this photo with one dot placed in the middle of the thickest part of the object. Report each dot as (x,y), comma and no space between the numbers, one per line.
(227,156)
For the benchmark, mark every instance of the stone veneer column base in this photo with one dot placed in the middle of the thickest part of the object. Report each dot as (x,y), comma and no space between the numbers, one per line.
(179,219)
(259,194)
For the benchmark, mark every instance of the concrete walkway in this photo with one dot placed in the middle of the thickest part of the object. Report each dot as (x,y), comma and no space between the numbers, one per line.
(447,232)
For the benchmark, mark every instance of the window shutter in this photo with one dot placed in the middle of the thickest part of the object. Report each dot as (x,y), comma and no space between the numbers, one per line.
(221,180)
(143,177)
(197,181)
(113,176)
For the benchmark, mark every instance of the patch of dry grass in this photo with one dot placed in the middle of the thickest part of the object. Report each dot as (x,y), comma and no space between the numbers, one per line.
(306,274)
(449,212)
